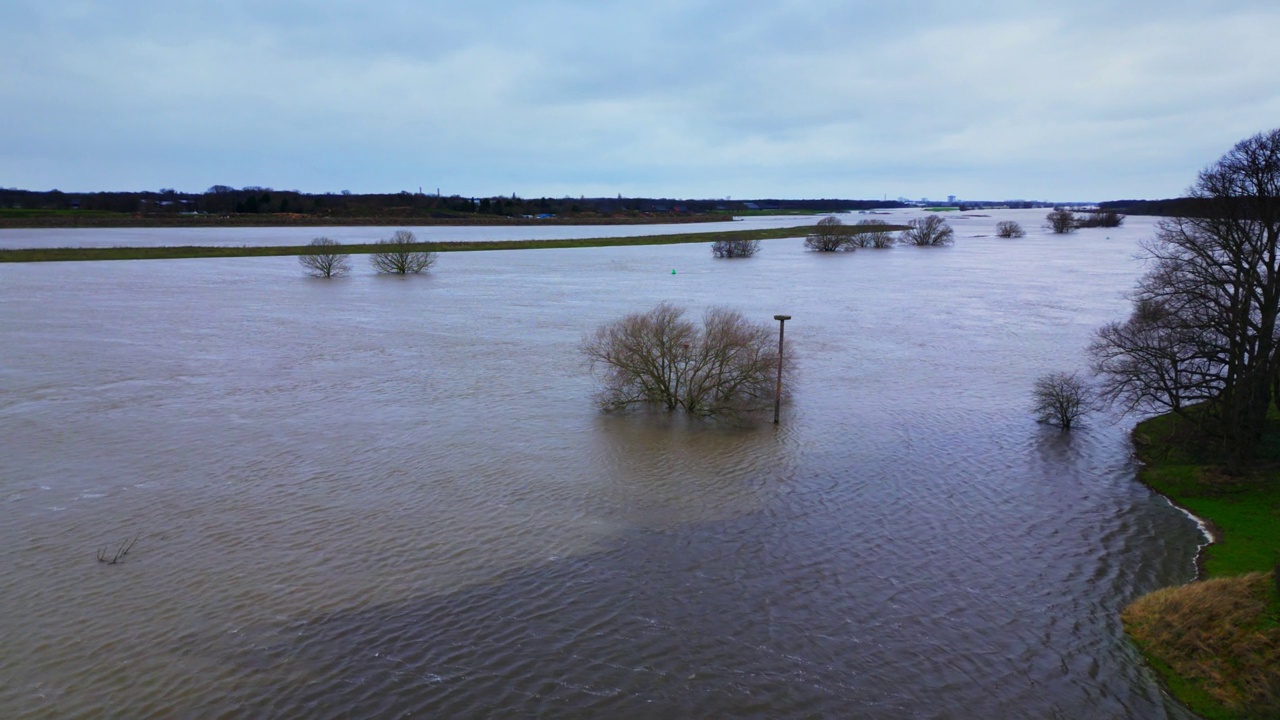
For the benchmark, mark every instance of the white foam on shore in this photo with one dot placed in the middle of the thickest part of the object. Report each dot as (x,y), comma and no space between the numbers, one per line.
(1205,532)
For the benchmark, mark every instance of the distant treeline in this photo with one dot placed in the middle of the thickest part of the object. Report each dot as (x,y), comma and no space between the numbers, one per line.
(1171,207)
(221,200)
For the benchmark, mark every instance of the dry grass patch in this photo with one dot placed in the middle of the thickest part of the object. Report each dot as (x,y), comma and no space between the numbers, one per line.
(1220,636)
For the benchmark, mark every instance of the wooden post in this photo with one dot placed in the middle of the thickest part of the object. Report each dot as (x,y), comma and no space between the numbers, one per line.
(777,400)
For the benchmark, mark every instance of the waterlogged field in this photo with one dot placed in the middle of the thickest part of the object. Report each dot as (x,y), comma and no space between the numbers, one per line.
(375,496)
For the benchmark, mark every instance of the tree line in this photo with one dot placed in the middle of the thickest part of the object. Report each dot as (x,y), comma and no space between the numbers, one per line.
(1202,340)
(251,200)
(831,234)
(1168,207)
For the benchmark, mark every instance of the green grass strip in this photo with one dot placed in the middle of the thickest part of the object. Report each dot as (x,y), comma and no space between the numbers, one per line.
(1218,659)
(65,254)
(1244,510)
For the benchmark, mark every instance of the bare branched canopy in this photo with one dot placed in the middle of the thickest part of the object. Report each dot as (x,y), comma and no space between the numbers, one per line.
(1009,229)
(1061,222)
(1061,399)
(830,235)
(873,234)
(1206,317)
(724,368)
(402,254)
(735,248)
(928,231)
(324,259)
(1153,362)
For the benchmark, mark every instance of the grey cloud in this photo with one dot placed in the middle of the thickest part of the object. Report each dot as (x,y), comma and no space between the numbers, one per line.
(799,98)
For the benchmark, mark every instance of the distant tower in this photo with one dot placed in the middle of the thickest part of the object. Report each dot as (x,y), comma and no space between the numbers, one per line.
(951,199)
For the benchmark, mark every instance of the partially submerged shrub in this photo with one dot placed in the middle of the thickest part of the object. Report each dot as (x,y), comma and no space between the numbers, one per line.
(830,235)
(1101,218)
(323,259)
(928,231)
(1009,229)
(872,234)
(401,254)
(735,248)
(725,367)
(1061,399)
(1061,222)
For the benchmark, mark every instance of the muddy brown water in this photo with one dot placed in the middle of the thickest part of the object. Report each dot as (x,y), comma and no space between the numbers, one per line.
(386,497)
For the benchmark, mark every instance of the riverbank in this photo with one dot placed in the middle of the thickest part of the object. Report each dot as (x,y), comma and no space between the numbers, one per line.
(192,251)
(1216,641)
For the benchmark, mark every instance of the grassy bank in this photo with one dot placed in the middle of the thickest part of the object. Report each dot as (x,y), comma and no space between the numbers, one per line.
(1216,642)
(188,251)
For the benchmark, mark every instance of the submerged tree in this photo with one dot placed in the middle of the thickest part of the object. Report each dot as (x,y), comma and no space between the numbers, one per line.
(872,234)
(1061,399)
(928,231)
(401,254)
(1207,312)
(1009,229)
(830,235)
(1061,222)
(1100,218)
(724,368)
(735,248)
(323,259)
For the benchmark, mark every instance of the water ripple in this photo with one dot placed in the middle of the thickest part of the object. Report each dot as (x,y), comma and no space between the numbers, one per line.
(373,499)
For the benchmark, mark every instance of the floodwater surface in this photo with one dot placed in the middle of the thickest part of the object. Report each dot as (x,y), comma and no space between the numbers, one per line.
(383,497)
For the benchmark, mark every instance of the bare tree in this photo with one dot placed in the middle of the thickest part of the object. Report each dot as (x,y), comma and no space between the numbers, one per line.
(928,231)
(1009,229)
(1061,399)
(1152,362)
(735,248)
(324,260)
(401,254)
(1214,286)
(725,368)
(120,552)
(1061,221)
(830,235)
(872,234)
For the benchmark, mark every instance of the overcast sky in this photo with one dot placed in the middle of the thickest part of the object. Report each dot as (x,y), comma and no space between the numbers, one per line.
(1070,100)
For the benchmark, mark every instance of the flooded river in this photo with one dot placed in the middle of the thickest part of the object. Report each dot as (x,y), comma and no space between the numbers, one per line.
(387,497)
